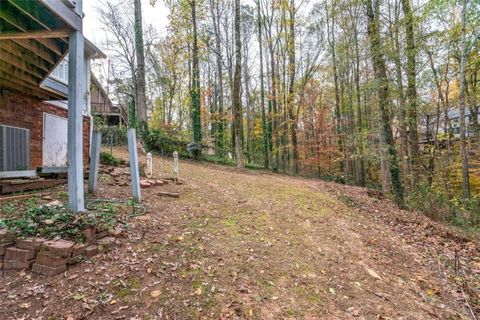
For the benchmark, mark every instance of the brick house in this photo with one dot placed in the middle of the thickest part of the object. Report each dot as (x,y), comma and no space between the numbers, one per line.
(34,86)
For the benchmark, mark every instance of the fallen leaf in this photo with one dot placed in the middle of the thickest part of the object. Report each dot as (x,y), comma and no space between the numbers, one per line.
(78,296)
(372,273)
(25,305)
(155,293)
(332,291)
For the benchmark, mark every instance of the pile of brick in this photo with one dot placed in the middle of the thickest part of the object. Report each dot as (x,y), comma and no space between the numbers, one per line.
(151,183)
(50,257)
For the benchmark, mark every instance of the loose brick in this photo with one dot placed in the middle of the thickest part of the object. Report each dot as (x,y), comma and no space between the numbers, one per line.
(116,232)
(106,243)
(48,271)
(47,259)
(78,250)
(90,235)
(101,234)
(6,236)
(13,253)
(17,265)
(60,248)
(4,246)
(75,260)
(145,184)
(91,250)
(152,182)
(29,243)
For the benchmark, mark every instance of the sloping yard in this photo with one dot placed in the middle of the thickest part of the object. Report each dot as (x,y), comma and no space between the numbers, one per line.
(252,245)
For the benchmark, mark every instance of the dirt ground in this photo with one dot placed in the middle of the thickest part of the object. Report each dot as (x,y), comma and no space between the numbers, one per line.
(253,245)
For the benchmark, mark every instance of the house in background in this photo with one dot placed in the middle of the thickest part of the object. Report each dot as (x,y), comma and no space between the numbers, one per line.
(428,124)
(37,40)
(112,114)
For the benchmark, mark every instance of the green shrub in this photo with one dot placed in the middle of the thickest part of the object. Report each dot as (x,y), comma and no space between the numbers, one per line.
(165,144)
(114,136)
(438,206)
(160,142)
(55,221)
(218,160)
(108,159)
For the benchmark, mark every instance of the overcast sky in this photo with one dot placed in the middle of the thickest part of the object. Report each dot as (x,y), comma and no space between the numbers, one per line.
(92,27)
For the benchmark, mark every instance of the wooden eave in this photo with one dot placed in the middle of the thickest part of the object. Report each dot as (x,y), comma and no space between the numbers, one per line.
(33,40)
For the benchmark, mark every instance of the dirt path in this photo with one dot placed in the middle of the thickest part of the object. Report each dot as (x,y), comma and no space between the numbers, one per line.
(255,246)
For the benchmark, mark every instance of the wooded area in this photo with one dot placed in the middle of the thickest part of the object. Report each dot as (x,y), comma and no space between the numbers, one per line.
(373,93)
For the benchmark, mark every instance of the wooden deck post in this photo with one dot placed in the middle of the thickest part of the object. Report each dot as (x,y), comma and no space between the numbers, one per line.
(134,170)
(94,162)
(76,102)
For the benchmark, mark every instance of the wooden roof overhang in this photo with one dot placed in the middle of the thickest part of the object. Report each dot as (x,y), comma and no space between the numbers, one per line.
(33,40)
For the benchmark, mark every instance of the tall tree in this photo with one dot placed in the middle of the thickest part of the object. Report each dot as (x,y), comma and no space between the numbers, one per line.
(195,88)
(410,50)
(262,90)
(291,85)
(463,144)
(220,134)
(381,78)
(237,102)
(141,100)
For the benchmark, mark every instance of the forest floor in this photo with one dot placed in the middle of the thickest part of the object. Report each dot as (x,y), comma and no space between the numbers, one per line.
(254,245)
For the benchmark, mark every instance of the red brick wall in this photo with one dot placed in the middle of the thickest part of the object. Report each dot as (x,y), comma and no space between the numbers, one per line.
(27,112)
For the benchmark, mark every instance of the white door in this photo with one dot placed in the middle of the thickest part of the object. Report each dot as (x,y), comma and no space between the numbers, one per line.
(54,141)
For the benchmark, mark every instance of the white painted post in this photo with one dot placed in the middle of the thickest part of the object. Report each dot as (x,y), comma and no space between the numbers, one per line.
(76,101)
(94,162)
(134,171)
(149,172)
(175,165)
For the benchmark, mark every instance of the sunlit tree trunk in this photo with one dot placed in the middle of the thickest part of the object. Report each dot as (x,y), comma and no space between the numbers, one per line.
(463,144)
(410,51)
(141,100)
(195,89)
(383,98)
(291,86)
(237,78)
(262,90)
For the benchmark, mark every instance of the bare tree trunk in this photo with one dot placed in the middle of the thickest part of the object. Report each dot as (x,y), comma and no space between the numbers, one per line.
(383,97)
(463,144)
(337,111)
(274,114)
(361,159)
(262,92)
(411,90)
(248,100)
(291,87)
(195,90)
(237,104)
(401,96)
(220,134)
(141,100)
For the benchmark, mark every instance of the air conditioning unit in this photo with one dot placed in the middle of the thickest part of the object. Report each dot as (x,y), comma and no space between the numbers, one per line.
(14,148)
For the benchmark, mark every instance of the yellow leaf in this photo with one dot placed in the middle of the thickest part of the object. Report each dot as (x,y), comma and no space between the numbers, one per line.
(332,291)
(155,293)
(113,301)
(250,313)
(25,305)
